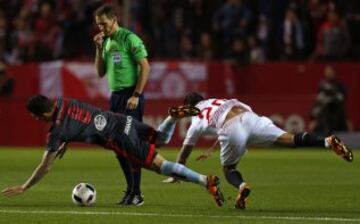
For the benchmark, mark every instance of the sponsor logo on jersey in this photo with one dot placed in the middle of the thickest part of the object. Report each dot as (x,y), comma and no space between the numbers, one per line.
(100,122)
(128,125)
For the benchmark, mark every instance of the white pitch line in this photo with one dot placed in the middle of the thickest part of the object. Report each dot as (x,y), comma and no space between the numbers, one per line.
(297,218)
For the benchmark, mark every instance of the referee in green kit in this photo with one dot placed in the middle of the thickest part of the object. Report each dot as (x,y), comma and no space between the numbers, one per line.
(122,57)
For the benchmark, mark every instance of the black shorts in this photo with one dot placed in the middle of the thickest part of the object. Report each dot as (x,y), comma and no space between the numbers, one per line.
(137,145)
(142,156)
(118,102)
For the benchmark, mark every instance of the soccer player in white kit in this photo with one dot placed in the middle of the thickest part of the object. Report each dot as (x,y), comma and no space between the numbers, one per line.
(237,126)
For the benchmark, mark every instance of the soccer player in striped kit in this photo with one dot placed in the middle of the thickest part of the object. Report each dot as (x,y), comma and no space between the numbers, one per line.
(74,121)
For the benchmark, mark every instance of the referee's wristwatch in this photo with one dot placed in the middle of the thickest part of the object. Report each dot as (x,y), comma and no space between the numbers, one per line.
(136,94)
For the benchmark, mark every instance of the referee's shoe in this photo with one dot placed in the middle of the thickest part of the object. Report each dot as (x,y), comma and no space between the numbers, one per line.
(131,198)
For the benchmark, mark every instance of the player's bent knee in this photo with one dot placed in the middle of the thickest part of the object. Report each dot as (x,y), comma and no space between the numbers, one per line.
(157,163)
(227,168)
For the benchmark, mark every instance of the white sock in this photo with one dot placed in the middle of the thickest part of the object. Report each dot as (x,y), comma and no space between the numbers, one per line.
(203,180)
(327,145)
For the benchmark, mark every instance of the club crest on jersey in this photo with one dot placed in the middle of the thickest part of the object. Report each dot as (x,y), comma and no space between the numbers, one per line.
(100,122)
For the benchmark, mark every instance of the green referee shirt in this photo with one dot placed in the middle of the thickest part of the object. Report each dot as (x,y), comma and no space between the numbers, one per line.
(120,54)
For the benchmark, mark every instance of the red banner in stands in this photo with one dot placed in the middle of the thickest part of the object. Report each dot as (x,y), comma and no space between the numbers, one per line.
(283,91)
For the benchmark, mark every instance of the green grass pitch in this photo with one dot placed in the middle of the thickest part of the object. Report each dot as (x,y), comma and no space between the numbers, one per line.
(288,186)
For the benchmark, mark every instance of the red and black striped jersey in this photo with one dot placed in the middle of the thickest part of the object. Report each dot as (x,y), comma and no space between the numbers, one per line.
(75,121)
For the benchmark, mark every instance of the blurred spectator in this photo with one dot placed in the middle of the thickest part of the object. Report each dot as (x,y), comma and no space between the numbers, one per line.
(186,51)
(3,28)
(239,53)
(291,37)
(196,14)
(74,26)
(164,32)
(47,34)
(256,52)
(48,29)
(21,39)
(352,14)
(205,50)
(333,38)
(328,113)
(6,83)
(242,28)
(262,31)
(316,11)
(230,21)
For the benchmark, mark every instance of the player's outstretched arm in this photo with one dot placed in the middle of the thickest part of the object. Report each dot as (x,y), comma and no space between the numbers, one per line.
(62,149)
(184,154)
(208,152)
(37,175)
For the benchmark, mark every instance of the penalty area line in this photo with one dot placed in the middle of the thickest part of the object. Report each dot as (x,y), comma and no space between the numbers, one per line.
(295,218)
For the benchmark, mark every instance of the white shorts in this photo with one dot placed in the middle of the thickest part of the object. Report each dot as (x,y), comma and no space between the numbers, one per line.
(245,129)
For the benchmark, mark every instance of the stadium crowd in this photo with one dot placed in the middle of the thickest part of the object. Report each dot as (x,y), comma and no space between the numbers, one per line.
(244,31)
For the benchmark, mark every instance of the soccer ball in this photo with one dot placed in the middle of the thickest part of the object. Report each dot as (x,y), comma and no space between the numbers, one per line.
(84,194)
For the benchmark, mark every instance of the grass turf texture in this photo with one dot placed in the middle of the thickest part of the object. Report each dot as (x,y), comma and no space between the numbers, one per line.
(288,186)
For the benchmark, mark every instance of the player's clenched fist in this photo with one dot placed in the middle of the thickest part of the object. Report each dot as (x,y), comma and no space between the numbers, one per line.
(98,39)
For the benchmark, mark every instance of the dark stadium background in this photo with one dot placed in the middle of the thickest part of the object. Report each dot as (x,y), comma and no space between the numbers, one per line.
(234,48)
(270,54)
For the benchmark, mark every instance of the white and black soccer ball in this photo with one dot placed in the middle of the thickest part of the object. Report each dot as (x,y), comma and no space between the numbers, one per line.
(84,194)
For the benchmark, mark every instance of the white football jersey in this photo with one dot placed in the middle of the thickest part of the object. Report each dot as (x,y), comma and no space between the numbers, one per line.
(212,116)
(199,126)
(215,110)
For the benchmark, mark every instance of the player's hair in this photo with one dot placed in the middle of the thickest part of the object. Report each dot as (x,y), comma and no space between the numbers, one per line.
(106,9)
(191,99)
(39,104)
